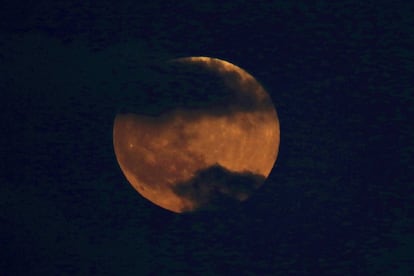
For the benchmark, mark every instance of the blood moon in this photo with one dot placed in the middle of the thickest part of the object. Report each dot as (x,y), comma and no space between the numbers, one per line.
(203,155)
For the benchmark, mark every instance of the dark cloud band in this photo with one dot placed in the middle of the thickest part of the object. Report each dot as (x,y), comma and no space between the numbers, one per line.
(183,86)
(215,186)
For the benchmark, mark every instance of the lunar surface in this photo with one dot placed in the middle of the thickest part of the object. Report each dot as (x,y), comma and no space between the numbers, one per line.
(201,134)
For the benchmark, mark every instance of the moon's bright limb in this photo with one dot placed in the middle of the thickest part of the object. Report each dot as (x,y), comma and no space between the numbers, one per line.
(185,158)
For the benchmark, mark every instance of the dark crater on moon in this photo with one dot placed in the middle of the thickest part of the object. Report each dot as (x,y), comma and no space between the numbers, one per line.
(215,187)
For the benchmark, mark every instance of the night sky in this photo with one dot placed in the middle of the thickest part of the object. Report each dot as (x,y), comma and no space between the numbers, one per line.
(338,201)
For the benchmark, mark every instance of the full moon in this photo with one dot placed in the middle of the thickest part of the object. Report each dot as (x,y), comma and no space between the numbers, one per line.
(202,134)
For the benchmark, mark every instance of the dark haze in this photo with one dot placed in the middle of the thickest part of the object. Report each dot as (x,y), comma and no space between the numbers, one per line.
(216,187)
(171,86)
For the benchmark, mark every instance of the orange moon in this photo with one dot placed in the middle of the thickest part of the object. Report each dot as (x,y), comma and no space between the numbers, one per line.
(204,155)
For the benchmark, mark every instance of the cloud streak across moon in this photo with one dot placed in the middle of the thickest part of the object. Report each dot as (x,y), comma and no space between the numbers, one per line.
(235,132)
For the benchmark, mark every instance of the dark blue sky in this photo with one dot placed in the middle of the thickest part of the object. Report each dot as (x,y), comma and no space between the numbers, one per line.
(337,202)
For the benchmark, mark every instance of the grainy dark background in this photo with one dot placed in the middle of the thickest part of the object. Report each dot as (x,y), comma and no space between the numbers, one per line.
(338,201)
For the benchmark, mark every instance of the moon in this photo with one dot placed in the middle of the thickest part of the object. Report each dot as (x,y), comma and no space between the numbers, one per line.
(204,134)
